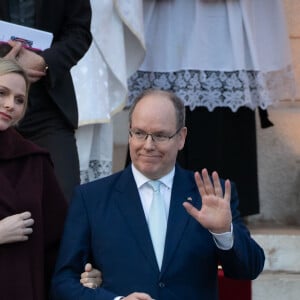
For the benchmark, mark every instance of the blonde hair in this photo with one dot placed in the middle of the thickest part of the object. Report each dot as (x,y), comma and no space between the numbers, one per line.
(8,66)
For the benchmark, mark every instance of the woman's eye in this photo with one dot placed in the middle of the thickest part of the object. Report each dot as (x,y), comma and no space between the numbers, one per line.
(20,100)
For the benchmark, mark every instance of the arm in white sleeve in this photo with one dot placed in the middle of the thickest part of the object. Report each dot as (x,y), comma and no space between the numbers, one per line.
(224,241)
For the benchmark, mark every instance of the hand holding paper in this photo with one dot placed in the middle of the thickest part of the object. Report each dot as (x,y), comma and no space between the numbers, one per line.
(33,64)
(26,42)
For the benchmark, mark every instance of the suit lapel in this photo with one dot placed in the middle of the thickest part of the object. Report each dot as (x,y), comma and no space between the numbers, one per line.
(129,203)
(183,188)
(128,200)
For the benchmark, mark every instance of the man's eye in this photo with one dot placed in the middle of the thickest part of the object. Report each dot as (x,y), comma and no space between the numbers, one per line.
(160,137)
(139,134)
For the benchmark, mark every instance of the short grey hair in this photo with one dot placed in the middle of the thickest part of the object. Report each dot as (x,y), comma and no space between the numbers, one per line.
(177,102)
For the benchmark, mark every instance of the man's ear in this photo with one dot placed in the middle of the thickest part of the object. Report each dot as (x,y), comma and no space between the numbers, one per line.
(182,135)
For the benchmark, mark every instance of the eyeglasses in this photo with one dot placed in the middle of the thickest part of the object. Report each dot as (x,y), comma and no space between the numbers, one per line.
(140,135)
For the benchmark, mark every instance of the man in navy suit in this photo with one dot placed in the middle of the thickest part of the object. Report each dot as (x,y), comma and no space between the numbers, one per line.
(107,223)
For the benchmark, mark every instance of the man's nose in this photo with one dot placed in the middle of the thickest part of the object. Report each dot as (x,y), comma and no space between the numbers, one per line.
(149,142)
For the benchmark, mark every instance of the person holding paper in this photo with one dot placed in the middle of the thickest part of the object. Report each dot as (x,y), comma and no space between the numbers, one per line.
(52,116)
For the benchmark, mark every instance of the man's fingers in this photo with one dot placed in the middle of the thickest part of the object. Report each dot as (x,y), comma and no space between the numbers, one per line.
(193,211)
(200,184)
(209,188)
(217,185)
(227,194)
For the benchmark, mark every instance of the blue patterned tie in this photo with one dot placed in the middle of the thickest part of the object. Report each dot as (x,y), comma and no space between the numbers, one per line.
(157,221)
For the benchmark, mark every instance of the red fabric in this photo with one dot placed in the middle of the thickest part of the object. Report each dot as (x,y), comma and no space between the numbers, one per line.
(230,289)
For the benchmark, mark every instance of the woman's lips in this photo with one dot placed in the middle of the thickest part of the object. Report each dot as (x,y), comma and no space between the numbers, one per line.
(6,116)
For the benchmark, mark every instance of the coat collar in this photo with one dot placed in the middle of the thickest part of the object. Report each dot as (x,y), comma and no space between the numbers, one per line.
(13,145)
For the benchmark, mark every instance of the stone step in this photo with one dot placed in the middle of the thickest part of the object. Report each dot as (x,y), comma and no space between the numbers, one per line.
(280,279)
(276,286)
(281,246)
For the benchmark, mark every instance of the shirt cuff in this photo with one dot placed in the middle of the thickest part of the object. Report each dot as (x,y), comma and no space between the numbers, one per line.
(118,298)
(224,241)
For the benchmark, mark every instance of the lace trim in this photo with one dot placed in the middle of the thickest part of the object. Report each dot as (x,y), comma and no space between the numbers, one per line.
(213,89)
(97,169)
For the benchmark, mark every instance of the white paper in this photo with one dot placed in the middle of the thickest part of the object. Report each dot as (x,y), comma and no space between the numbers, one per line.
(30,37)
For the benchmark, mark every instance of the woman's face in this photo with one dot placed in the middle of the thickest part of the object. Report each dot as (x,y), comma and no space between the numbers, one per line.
(12,99)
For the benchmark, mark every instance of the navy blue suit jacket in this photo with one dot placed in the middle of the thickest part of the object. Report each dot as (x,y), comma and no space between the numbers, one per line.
(106,226)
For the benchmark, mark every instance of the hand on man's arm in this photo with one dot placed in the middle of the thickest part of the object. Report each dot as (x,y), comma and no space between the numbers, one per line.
(91,278)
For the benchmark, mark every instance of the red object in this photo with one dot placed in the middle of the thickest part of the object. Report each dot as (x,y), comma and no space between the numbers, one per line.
(230,289)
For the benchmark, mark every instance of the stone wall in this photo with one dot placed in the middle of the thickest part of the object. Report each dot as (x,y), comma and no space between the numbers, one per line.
(279,146)
(292,8)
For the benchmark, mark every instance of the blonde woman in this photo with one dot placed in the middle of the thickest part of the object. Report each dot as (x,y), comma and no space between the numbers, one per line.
(32,205)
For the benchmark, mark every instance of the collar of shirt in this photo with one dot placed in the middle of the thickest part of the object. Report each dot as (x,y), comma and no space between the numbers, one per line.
(146,192)
(141,179)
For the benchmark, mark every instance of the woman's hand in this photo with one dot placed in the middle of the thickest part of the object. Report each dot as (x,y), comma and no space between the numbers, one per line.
(31,62)
(16,228)
(14,51)
(91,278)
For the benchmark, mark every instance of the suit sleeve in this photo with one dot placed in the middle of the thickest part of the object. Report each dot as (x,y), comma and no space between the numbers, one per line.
(75,252)
(246,259)
(72,38)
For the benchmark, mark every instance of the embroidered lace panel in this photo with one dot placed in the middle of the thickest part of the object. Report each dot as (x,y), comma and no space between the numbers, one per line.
(213,89)
(97,169)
